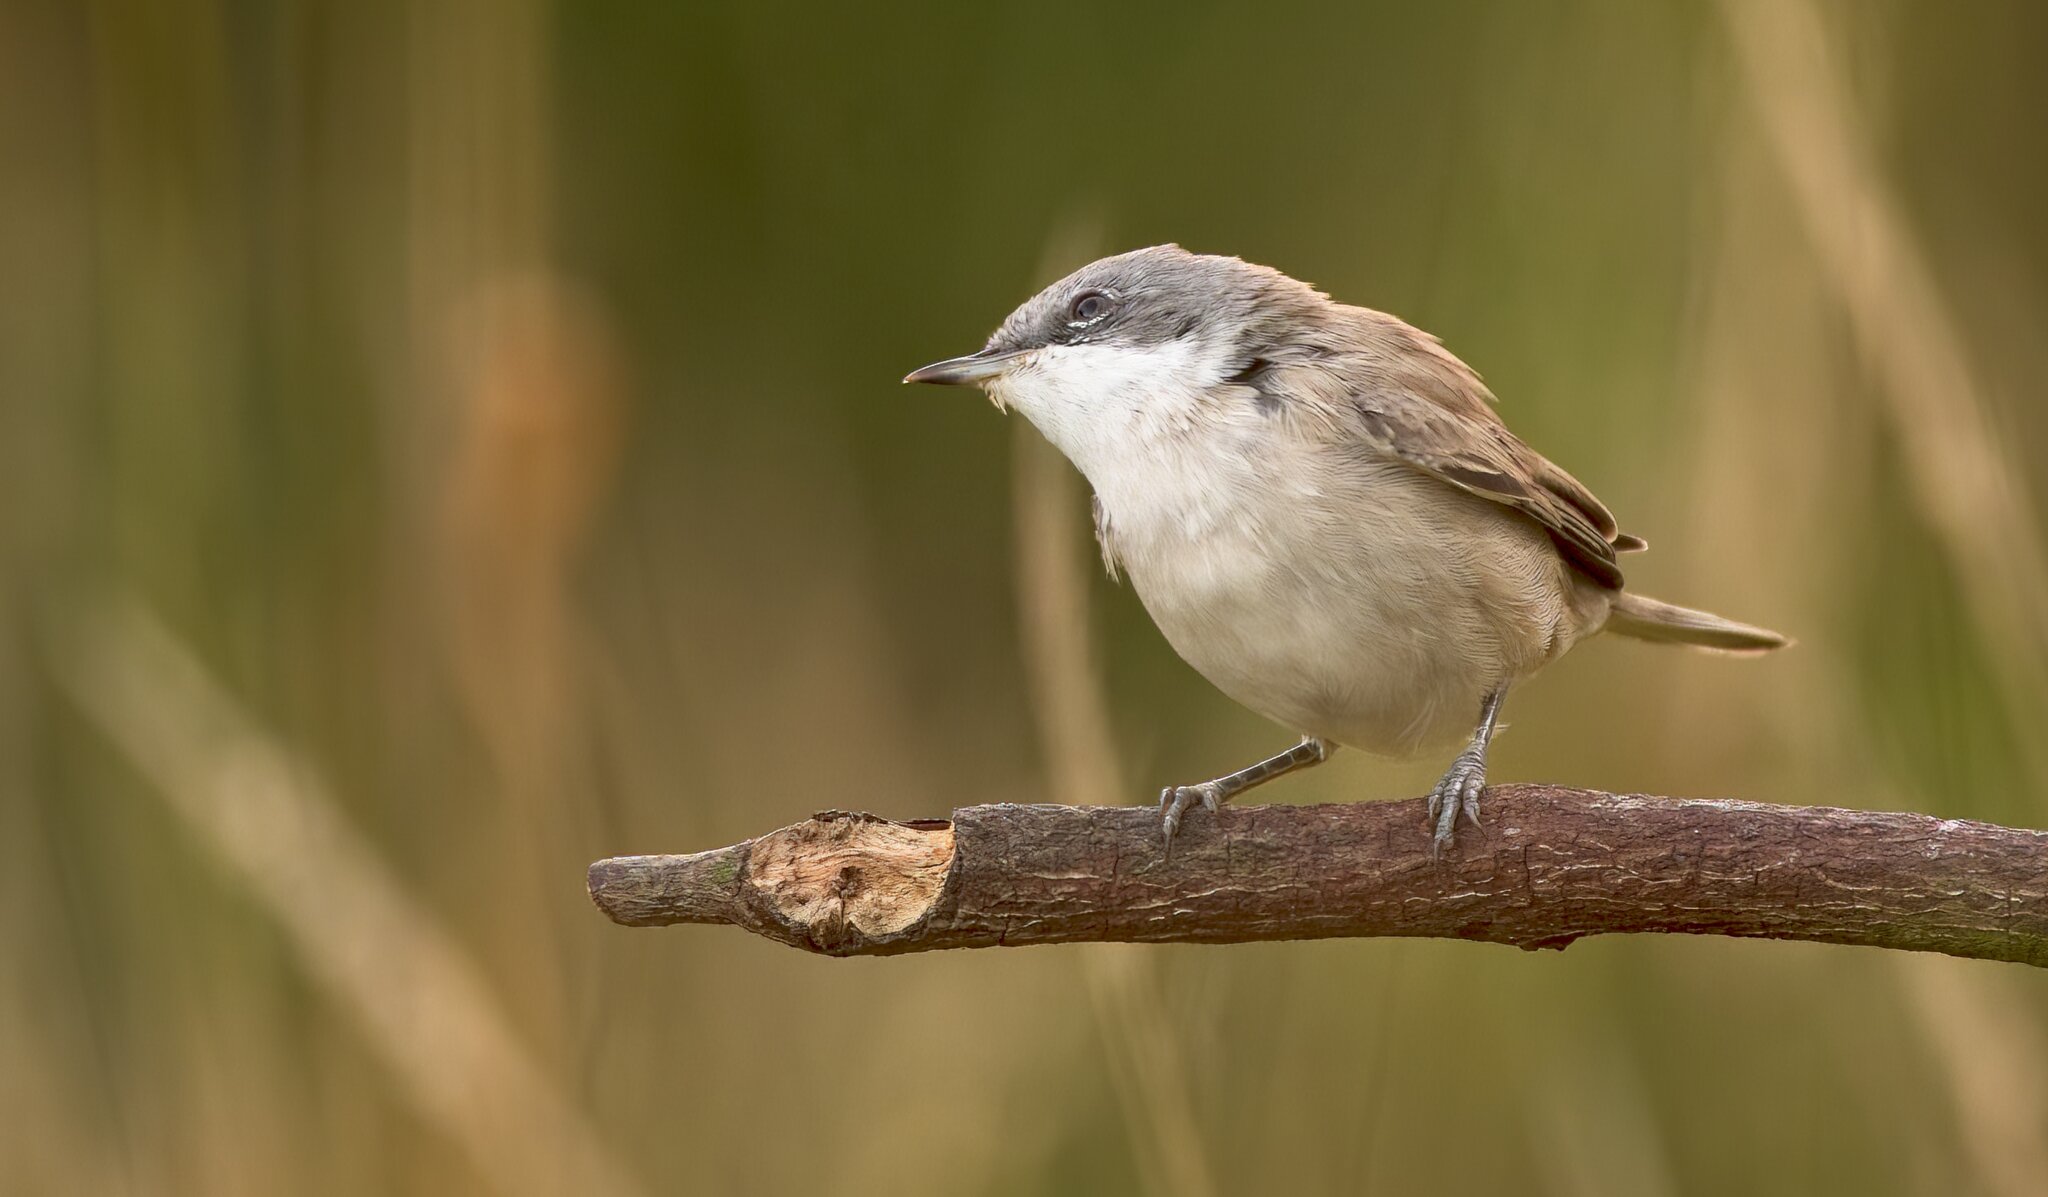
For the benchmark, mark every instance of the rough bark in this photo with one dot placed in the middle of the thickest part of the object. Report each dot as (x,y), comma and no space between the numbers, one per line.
(1550,865)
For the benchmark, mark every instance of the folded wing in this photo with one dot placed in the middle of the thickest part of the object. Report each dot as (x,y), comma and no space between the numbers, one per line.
(1421,405)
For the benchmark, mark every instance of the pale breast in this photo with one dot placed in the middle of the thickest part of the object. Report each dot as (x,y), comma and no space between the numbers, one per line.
(1370,604)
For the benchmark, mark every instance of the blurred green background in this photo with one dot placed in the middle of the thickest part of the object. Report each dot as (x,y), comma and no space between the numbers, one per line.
(448,443)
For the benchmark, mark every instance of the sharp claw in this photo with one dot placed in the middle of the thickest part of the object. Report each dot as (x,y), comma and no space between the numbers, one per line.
(1456,797)
(1172,803)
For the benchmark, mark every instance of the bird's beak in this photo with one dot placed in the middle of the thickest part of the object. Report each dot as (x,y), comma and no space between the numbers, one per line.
(972,370)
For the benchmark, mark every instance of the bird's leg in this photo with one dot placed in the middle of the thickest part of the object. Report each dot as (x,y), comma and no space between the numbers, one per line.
(1458,792)
(1175,800)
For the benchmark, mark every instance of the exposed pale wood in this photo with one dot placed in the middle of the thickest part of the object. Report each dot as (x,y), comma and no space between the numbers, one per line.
(1550,866)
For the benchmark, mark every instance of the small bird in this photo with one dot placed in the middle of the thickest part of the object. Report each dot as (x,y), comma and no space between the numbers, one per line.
(1319,508)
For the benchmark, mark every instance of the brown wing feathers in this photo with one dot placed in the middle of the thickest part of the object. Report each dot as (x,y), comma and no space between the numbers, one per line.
(1439,418)
(1491,463)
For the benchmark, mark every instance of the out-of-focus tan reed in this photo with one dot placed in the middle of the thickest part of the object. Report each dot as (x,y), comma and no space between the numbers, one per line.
(421,1005)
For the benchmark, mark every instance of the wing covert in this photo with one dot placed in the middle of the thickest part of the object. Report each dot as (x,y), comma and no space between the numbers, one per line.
(1481,457)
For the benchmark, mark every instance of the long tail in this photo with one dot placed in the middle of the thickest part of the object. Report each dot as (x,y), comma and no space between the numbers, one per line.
(1645,618)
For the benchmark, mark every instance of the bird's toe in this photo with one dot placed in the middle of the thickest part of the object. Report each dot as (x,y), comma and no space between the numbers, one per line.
(1457,795)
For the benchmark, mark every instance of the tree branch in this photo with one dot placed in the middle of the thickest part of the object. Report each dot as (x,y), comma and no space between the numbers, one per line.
(1550,865)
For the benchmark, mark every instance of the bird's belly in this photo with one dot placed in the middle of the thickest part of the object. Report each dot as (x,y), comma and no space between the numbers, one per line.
(1350,675)
(1382,638)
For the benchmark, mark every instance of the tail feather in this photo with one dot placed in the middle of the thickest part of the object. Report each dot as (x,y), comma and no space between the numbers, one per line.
(1644,618)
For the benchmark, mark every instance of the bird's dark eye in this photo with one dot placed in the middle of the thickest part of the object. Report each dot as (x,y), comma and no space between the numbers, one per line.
(1088,307)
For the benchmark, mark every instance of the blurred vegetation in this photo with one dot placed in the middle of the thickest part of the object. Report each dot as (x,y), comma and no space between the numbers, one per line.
(497,402)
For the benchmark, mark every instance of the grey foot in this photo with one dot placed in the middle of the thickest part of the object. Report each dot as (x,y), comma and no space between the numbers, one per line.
(1458,793)
(1175,800)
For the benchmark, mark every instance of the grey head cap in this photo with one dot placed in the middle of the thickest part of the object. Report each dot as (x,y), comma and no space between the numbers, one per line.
(1143,298)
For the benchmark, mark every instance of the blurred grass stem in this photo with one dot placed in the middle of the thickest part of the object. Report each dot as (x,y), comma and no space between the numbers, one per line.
(363,940)
(1967,485)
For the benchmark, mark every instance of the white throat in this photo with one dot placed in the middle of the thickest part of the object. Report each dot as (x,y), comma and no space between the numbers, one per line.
(1189,471)
(1101,405)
